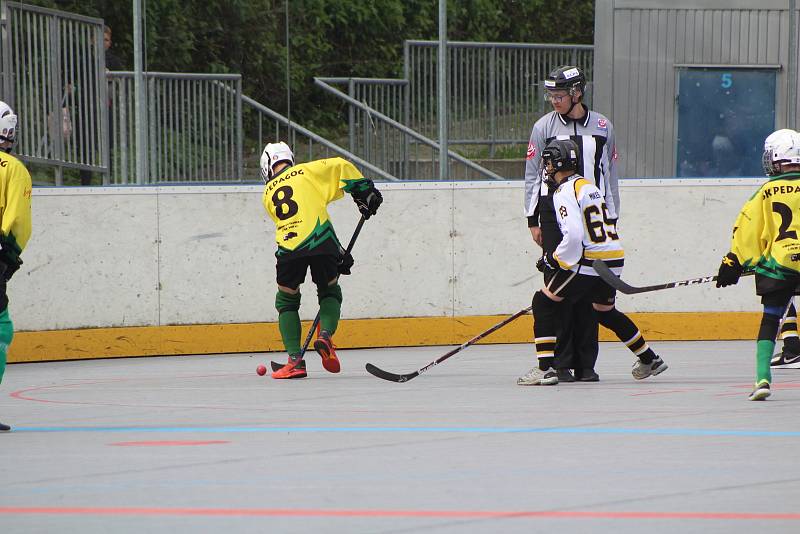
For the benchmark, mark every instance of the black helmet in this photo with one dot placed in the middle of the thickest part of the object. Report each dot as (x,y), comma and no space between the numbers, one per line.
(562,153)
(567,78)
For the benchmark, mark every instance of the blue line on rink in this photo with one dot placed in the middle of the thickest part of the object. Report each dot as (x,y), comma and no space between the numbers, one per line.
(414,429)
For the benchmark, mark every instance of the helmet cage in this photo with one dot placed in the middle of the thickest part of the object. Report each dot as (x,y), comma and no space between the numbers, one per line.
(562,155)
(781,147)
(8,125)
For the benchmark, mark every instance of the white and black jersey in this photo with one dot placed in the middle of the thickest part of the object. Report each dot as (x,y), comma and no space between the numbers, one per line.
(594,136)
(588,233)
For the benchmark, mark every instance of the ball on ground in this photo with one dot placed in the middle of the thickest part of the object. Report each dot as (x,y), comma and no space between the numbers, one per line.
(261,370)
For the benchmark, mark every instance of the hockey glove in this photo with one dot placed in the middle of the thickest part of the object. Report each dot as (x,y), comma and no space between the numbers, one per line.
(345,263)
(729,270)
(368,199)
(9,257)
(547,262)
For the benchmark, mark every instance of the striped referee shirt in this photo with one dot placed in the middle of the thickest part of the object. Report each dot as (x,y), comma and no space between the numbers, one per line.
(594,135)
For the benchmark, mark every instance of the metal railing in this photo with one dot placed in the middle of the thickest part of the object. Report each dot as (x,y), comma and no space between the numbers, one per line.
(266,126)
(391,145)
(53,67)
(194,130)
(496,91)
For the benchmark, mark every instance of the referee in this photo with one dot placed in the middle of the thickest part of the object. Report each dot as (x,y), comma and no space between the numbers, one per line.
(564,88)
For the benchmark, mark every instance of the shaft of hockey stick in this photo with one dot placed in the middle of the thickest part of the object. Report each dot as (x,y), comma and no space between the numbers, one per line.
(316,319)
(614,281)
(392,377)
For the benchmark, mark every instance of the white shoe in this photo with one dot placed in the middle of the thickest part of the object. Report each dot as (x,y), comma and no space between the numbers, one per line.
(537,377)
(642,370)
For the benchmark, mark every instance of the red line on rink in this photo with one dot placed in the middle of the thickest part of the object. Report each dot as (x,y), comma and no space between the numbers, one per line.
(313,512)
(165,443)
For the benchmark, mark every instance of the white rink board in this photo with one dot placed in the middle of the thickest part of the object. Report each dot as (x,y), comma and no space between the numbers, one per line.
(139,256)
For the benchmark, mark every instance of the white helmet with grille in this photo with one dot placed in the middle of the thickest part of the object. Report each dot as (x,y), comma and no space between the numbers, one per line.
(8,125)
(273,154)
(780,147)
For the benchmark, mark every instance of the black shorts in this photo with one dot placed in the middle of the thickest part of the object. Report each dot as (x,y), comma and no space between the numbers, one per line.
(574,287)
(292,273)
(774,290)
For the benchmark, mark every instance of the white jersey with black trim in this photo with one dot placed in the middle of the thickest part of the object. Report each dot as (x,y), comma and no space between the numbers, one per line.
(588,233)
(594,135)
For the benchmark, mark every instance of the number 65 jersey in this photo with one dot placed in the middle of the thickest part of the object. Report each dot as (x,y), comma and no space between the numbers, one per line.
(587,229)
(765,235)
(297,200)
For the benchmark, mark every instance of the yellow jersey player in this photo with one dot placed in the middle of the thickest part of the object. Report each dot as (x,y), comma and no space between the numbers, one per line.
(765,240)
(589,233)
(15,228)
(296,198)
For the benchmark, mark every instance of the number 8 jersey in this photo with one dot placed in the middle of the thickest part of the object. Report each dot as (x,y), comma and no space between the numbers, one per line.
(297,200)
(588,232)
(765,235)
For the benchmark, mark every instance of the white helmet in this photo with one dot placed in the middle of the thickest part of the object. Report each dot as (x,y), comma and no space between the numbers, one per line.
(273,154)
(780,147)
(8,125)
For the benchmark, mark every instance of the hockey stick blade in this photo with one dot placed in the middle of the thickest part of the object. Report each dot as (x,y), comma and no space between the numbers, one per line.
(614,281)
(392,377)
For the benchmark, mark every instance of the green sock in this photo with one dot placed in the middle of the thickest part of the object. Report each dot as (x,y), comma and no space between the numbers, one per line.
(330,307)
(764,349)
(6,335)
(289,325)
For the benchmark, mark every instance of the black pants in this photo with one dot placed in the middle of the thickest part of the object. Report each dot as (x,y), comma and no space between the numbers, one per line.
(577,327)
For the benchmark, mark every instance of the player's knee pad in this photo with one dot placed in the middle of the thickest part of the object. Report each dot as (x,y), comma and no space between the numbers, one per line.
(544,313)
(6,335)
(287,302)
(770,322)
(334,292)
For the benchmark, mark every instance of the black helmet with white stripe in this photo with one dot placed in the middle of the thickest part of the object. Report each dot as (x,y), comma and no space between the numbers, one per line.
(562,154)
(566,78)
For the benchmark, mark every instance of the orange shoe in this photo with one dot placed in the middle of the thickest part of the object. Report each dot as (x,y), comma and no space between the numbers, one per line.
(325,348)
(294,368)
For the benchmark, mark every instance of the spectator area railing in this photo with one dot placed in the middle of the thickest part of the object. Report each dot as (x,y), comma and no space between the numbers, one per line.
(194,128)
(53,66)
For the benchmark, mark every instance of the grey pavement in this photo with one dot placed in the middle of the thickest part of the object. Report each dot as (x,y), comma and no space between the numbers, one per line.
(202,443)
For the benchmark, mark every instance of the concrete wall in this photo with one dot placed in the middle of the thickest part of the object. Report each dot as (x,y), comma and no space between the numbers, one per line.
(111,257)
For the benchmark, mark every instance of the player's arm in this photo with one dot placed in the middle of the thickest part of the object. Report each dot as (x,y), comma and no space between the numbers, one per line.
(570,218)
(533,181)
(364,193)
(610,174)
(16,226)
(747,243)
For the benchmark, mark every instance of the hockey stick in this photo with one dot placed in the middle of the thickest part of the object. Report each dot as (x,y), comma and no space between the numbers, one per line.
(614,281)
(275,365)
(386,375)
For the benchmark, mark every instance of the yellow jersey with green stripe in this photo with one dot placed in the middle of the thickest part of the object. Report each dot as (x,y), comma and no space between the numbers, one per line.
(15,203)
(767,229)
(588,231)
(297,200)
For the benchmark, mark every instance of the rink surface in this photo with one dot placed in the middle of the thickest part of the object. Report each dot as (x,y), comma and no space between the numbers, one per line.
(203,443)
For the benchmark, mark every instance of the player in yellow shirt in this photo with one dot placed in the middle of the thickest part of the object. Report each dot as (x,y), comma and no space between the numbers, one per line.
(296,198)
(765,240)
(15,228)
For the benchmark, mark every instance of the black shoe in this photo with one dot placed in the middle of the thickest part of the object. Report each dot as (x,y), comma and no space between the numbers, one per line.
(589,375)
(787,359)
(4,428)
(565,375)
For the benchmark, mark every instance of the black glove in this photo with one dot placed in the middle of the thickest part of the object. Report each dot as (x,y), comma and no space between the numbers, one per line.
(345,263)
(729,270)
(367,199)
(547,262)
(9,257)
